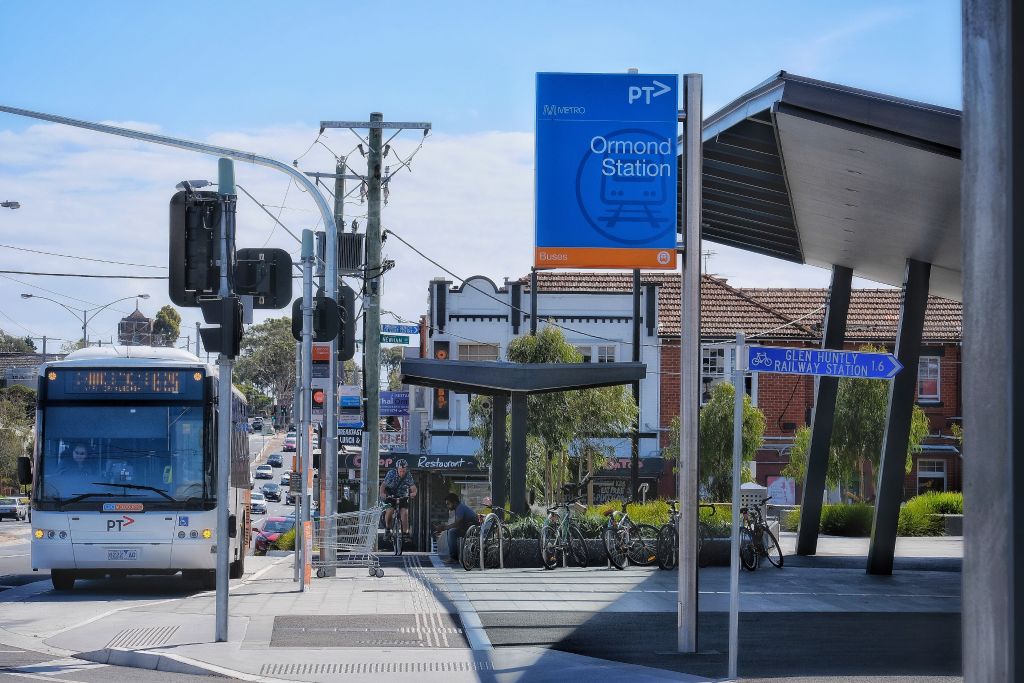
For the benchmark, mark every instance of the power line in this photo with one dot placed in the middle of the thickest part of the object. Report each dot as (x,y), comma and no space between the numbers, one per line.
(111,277)
(80,258)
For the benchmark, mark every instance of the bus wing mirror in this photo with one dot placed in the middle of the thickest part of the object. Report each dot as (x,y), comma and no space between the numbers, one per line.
(24,470)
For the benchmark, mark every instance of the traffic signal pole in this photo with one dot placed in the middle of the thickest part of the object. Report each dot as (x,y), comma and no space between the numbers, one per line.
(226,190)
(305,404)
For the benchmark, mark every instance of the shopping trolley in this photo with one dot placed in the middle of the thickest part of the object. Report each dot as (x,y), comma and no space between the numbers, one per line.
(354,544)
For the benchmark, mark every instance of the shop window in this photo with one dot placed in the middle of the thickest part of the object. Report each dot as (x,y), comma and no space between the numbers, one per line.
(931,475)
(606,354)
(928,378)
(478,352)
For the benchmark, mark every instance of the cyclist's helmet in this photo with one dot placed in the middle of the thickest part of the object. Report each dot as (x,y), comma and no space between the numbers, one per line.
(401,463)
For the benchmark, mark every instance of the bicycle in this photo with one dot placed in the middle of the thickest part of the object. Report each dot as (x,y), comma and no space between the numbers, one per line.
(757,540)
(560,534)
(396,520)
(625,540)
(668,537)
(496,542)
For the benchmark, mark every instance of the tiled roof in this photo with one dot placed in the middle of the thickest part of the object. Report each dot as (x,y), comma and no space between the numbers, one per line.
(769,313)
(12,359)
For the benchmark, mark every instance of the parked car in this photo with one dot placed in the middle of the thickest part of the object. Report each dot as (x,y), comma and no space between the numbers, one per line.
(276,460)
(286,478)
(252,481)
(271,530)
(257,424)
(272,491)
(289,498)
(289,442)
(13,508)
(258,503)
(264,472)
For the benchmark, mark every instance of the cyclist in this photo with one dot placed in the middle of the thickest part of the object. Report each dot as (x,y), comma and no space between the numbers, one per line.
(463,517)
(398,483)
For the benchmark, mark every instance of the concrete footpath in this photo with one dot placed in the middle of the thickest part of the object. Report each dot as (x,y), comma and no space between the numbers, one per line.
(430,622)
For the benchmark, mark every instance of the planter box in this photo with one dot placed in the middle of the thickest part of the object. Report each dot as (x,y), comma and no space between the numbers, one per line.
(952,525)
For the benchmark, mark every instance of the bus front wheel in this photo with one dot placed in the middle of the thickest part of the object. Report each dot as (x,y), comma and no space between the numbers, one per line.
(62,579)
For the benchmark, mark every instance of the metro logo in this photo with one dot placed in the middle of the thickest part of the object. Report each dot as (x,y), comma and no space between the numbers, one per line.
(119,524)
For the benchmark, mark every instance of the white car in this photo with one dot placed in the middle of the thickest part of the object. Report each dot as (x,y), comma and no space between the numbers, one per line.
(264,472)
(11,507)
(258,503)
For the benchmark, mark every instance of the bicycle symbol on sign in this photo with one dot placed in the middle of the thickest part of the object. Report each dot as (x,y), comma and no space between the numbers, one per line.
(760,359)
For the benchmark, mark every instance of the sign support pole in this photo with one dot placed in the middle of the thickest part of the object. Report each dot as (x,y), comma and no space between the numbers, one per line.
(737,465)
(305,404)
(689,366)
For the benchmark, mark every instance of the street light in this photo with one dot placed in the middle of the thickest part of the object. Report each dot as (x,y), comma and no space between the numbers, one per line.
(10,205)
(85,315)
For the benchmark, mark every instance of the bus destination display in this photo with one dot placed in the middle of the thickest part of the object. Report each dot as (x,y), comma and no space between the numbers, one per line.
(132,382)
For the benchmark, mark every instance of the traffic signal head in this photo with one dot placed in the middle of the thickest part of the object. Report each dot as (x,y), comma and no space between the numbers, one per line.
(194,247)
(318,399)
(326,320)
(266,275)
(226,314)
(347,335)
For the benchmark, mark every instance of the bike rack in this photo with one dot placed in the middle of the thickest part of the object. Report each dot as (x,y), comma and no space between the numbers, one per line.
(491,519)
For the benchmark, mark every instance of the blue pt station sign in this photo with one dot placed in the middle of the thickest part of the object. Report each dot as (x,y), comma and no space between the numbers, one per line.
(607,170)
(823,362)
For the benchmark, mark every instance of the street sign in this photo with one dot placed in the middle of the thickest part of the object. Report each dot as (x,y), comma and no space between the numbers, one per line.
(394,403)
(348,436)
(606,170)
(394,339)
(823,362)
(400,329)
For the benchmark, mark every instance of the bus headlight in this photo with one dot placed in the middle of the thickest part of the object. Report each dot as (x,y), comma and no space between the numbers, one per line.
(63,535)
(207,533)
(38,533)
(50,533)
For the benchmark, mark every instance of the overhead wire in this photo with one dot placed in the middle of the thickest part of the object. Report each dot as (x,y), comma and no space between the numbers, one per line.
(80,258)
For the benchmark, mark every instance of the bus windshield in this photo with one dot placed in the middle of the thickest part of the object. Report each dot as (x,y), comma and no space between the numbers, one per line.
(97,453)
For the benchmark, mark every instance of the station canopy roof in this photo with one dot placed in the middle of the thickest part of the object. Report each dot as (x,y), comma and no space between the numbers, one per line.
(819,173)
(497,377)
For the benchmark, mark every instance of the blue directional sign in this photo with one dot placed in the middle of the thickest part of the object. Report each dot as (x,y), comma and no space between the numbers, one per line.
(823,362)
(400,329)
(394,403)
(606,170)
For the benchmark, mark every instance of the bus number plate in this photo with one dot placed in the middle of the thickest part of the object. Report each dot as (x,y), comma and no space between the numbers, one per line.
(123,555)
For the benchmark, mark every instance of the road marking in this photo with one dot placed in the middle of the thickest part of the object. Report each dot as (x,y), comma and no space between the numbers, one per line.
(47,671)
(472,627)
(9,672)
(19,555)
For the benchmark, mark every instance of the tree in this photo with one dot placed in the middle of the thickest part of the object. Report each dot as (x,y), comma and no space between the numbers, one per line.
(259,402)
(267,359)
(166,326)
(560,424)
(69,346)
(391,358)
(860,417)
(12,344)
(716,422)
(17,413)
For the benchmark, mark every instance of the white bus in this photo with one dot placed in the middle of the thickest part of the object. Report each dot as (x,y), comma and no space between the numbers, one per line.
(125,463)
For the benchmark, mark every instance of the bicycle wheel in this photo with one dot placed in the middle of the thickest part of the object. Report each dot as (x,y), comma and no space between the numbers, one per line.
(748,554)
(771,548)
(615,546)
(470,551)
(397,536)
(548,547)
(643,544)
(577,546)
(668,546)
(492,556)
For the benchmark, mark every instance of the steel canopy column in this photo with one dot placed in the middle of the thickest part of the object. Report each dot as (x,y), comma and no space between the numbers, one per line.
(824,414)
(900,410)
(499,470)
(518,464)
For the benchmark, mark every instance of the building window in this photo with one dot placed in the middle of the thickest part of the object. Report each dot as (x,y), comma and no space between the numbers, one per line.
(585,351)
(928,378)
(606,354)
(931,475)
(478,352)
(713,362)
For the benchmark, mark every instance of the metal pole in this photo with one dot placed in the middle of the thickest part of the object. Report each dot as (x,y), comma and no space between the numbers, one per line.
(85,329)
(533,301)
(226,190)
(329,446)
(634,459)
(689,365)
(371,325)
(197,340)
(306,401)
(737,465)
(297,463)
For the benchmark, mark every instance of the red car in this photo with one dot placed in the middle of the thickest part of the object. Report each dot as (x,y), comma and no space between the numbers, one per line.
(271,530)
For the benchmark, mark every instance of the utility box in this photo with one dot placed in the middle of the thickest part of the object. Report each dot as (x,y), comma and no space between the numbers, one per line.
(752,494)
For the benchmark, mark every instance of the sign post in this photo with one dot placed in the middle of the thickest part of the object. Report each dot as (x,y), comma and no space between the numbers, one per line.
(606,170)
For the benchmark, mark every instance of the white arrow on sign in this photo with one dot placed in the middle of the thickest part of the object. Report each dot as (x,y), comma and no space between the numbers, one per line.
(664,89)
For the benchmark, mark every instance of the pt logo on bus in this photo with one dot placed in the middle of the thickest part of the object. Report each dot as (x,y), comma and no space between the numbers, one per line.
(119,524)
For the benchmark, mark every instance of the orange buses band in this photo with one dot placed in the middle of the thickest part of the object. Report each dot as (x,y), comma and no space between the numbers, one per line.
(582,257)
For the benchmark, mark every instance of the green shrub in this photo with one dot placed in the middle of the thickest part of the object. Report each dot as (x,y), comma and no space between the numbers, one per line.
(916,520)
(285,541)
(719,520)
(790,521)
(655,512)
(525,527)
(847,520)
(936,503)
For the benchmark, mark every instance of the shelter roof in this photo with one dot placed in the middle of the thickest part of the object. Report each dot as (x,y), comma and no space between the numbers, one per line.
(495,377)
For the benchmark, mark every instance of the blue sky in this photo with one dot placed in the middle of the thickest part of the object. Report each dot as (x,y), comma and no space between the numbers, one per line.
(261,75)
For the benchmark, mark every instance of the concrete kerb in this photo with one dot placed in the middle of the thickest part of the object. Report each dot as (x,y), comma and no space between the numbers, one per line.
(471,624)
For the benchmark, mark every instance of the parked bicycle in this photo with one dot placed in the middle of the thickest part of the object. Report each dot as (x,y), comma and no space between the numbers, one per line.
(397,537)
(667,548)
(496,541)
(625,540)
(560,534)
(756,540)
